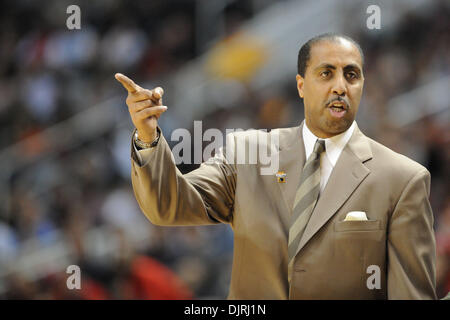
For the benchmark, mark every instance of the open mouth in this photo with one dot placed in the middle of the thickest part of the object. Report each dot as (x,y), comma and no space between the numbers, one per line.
(338,108)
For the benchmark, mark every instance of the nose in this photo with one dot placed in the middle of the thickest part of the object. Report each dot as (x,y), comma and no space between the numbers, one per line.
(339,88)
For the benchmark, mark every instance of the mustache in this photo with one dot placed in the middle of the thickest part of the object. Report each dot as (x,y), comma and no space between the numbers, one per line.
(338,99)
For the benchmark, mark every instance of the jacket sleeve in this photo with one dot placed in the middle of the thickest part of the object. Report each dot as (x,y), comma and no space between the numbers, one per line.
(411,246)
(169,198)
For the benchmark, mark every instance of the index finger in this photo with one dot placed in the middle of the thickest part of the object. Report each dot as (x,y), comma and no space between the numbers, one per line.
(127,82)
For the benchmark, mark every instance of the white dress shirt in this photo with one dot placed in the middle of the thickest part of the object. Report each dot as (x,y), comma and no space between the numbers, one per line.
(333,150)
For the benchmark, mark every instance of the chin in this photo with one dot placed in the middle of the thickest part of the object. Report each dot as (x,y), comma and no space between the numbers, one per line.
(337,127)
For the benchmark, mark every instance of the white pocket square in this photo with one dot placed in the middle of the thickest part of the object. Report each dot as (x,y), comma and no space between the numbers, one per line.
(355,216)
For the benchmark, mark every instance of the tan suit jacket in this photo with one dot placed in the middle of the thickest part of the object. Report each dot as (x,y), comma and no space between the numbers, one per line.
(334,255)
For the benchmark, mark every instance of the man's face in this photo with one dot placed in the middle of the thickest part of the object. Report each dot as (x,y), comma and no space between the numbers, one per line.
(332,87)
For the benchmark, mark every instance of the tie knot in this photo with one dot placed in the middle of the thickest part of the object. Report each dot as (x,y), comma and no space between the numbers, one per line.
(319,147)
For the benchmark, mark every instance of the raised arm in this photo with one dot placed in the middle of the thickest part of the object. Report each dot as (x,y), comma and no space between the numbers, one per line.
(166,197)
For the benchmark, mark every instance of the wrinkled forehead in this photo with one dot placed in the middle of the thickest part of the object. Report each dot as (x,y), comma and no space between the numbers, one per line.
(338,52)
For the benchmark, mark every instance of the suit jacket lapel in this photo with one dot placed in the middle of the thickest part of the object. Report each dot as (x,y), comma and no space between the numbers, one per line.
(347,174)
(291,161)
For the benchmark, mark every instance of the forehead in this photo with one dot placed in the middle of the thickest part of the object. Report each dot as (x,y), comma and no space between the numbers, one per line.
(339,52)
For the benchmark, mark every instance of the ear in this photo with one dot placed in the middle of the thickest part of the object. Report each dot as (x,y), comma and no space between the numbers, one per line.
(300,82)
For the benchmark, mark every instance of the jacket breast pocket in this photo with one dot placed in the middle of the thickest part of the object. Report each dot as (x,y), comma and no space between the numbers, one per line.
(359,230)
(363,225)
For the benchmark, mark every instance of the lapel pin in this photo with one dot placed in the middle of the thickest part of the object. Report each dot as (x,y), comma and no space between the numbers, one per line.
(281,177)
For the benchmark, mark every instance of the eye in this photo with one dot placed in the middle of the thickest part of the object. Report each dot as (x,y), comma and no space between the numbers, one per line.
(352,75)
(325,73)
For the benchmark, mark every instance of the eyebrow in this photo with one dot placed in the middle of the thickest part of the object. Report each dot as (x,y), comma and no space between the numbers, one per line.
(352,66)
(326,65)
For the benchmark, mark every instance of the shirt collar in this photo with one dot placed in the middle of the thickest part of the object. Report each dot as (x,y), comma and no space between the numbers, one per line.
(333,145)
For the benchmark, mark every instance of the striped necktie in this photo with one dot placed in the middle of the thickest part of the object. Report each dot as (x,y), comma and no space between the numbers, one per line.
(305,200)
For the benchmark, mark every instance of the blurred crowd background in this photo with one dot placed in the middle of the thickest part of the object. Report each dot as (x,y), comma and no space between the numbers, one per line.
(65,133)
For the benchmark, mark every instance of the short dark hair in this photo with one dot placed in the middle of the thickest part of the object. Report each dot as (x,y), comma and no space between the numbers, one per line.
(305,50)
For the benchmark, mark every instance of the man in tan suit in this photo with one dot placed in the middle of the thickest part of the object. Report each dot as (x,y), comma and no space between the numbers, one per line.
(358,225)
